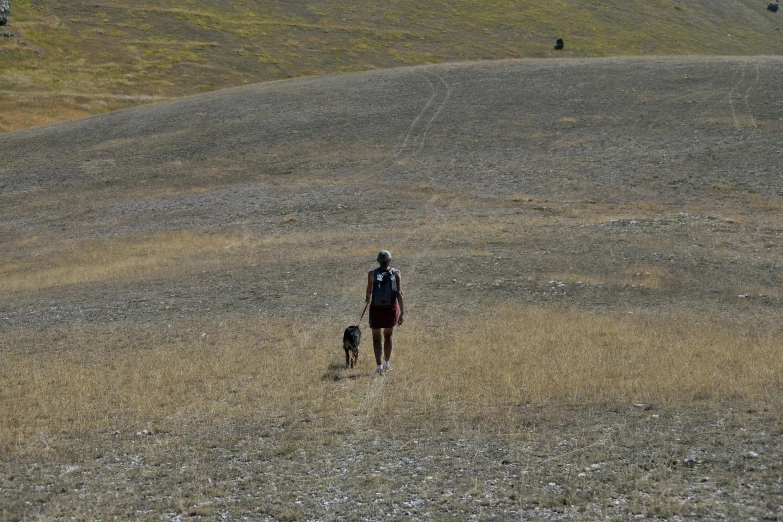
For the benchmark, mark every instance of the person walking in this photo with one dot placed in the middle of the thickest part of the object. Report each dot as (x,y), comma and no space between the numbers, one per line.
(384,295)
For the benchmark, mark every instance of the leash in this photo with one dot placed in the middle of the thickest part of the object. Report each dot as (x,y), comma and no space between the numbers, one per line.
(365,309)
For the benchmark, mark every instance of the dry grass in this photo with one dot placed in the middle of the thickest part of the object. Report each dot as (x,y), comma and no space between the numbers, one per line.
(152,50)
(131,258)
(234,365)
(642,276)
(80,381)
(542,355)
(653,277)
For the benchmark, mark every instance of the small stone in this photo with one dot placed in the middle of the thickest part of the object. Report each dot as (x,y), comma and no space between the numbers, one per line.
(753,455)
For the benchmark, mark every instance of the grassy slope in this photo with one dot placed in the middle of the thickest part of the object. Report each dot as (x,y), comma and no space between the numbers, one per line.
(236,219)
(71,59)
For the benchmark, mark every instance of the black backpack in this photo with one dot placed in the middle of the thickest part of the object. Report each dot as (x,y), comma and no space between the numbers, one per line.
(384,288)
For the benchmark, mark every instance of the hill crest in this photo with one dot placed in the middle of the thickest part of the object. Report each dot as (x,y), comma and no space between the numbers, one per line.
(73,59)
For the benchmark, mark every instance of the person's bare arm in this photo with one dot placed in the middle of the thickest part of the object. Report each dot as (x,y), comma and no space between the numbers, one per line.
(368,294)
(399,297)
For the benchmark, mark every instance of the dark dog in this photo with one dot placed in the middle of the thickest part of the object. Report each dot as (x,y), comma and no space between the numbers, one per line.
(351,339)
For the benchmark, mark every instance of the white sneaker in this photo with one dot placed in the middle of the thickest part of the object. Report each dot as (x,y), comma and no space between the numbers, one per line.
(386,366)
(379,370)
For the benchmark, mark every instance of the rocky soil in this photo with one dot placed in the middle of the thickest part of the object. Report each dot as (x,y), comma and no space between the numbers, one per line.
(616,185)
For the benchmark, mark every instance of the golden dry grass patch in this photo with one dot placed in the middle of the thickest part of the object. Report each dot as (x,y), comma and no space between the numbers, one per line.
(105,377)
(760,203)
(642,276)
(14,115)
(494,361)
(129,258)
(569,121)
(741,121)
(565,144)
(594,213)
(480,367)
(646,276)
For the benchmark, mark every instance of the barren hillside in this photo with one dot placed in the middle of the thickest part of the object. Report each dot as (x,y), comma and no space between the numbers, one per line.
(590,250)
(68,59)
(591,171)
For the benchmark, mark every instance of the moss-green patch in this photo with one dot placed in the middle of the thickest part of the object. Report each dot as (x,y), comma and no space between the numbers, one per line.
(76,43)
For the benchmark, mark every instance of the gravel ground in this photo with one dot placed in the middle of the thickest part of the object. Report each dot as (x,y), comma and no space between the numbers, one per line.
(559,464)
(532,182)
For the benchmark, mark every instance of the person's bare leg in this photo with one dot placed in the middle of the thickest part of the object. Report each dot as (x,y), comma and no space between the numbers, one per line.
(387,343)
(376,345)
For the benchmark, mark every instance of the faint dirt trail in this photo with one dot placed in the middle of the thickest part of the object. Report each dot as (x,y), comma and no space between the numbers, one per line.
(415,137)
(366,392)
(417,133)
(409,146)
(415,140)
(747,95)
(744,97)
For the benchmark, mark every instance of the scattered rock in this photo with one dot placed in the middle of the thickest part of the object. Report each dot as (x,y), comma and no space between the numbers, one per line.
(5,10)
(753,455)
(773,8)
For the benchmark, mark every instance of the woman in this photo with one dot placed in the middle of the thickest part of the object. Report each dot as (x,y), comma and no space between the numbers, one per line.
(384,293)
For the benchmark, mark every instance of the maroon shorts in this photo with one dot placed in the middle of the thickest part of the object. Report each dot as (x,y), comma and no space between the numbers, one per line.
(384,317)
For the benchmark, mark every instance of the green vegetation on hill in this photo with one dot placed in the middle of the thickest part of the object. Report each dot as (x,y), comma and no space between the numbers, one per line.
(70,59)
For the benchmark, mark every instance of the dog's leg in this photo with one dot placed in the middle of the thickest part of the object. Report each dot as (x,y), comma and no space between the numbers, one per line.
(348,358)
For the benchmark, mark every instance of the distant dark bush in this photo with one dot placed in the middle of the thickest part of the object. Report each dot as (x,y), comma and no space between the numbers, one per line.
(773,8)
(4,11)
(559,44)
